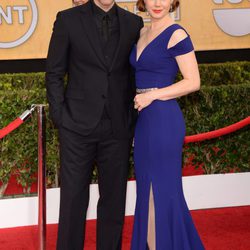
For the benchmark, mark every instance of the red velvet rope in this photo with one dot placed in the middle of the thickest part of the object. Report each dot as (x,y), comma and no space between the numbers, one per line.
(9,128)
(16,123)
(188,139)
(218,132)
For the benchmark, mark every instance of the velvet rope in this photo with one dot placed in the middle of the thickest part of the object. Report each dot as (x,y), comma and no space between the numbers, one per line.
(17,122)
(188,139)
(12,126)
(219,132)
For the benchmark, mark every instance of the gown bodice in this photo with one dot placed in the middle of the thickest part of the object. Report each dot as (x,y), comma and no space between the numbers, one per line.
(156,66)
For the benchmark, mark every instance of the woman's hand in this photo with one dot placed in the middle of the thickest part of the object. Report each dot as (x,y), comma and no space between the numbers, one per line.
(143,100)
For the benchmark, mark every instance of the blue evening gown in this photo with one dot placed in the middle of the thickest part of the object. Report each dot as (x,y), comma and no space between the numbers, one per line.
(159,137)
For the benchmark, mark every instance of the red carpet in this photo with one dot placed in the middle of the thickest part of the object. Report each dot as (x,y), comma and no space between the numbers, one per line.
(220,229)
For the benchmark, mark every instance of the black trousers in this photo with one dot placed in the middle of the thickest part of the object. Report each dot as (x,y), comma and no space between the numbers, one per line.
(77,154)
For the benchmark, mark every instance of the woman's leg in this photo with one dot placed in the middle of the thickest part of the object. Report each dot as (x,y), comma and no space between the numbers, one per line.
(151,222)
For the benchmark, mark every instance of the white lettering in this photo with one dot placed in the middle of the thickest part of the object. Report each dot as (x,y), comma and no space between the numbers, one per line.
(7,16)
(20,10)
(31,29)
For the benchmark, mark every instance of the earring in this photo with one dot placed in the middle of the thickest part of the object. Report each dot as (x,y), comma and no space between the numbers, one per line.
(171,8)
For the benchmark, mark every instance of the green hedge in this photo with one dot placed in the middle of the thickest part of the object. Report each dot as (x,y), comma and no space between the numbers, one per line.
(211,75)
(214,106)
(22,81)
(224,73)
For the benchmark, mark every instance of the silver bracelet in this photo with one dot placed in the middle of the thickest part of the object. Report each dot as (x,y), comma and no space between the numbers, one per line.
(139,91)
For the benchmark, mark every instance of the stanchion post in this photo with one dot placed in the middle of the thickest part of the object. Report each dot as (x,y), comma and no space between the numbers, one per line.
(41,177)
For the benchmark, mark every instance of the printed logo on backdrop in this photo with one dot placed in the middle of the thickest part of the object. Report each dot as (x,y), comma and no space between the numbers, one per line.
(19,19)
(232,21)
(130,5)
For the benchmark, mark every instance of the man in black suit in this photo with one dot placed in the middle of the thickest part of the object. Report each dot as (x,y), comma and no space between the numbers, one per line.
(94,112)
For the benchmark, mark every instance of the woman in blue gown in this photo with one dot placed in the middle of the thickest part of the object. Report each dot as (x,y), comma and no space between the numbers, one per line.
(162,219)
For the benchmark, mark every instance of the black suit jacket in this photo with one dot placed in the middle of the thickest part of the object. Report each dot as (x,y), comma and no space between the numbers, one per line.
(75,50)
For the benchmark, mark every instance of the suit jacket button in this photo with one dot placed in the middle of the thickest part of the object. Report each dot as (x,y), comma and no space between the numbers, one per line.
(103,96)
(109,74)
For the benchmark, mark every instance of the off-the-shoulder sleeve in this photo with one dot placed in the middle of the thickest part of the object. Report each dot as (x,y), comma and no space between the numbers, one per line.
(182,47)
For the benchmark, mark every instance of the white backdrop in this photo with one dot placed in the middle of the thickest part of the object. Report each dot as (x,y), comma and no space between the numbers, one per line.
(202,191)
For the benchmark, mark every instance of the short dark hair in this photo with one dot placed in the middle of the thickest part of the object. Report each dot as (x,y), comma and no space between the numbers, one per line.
(141,5)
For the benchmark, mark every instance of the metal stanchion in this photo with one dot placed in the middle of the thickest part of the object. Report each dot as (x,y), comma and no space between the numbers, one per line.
(41,177)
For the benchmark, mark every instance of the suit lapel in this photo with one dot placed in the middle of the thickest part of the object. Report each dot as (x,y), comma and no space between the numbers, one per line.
(90,29)
(122,23)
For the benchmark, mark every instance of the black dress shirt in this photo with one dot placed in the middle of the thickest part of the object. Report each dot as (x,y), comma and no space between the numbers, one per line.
(107,24)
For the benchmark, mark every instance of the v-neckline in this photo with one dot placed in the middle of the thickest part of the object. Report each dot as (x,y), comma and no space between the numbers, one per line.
(136,52)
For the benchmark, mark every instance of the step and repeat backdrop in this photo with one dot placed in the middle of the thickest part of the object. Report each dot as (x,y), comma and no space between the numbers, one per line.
(26,25)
